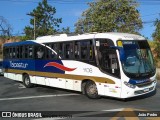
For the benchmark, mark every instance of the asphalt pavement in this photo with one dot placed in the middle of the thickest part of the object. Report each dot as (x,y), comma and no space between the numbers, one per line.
(15,97)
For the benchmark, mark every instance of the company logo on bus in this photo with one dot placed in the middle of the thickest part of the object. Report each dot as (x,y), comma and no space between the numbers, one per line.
(59,66)
(134,82)
(18,65)
(142,81)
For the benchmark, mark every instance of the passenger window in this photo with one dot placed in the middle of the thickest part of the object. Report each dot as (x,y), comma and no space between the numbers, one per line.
(54,54)
(48,51)
(6,53)
(77,50)
(60,50)
(68,50)
(40,52)
(10,52)
(84,50)
(91,52)
(25,51)
(51,51)
(14,53)
(17,52)
(21,52)
(30,51)
(87,50)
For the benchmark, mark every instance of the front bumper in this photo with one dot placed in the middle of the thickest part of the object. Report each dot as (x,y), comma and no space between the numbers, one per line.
(138,90)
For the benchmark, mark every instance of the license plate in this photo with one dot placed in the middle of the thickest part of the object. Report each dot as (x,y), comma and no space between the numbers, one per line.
(146,90)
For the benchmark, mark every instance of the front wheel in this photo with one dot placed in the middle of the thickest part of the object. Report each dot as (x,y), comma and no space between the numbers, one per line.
(91,90)
(26,81)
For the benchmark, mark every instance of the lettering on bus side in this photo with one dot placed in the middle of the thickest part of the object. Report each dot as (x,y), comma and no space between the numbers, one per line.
(88,70)
(18,65)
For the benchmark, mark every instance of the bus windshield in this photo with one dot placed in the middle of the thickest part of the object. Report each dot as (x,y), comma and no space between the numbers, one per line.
(138,61)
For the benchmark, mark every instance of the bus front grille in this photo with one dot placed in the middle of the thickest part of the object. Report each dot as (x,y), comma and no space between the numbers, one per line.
(143,91)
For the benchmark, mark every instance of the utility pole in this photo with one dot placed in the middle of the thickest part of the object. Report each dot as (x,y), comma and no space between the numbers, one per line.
(34,31)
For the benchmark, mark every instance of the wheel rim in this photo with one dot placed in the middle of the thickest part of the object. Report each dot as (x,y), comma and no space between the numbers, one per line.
(92,90)
(27,81)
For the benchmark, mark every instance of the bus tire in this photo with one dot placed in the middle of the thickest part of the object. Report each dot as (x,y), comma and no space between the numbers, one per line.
(26,81)
(91,90)
(124,99)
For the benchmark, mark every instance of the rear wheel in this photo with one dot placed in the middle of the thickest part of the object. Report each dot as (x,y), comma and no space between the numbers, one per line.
(26,81)
(91,90)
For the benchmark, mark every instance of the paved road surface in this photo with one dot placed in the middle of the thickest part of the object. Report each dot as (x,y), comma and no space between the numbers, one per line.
(14,97)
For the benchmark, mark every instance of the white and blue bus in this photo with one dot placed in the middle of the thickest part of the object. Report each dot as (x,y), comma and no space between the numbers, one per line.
(97,64)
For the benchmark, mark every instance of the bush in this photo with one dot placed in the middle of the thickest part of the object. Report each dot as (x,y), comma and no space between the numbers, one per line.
(158,76)
(155,48)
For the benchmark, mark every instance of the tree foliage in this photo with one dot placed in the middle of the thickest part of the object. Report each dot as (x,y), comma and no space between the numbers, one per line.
(5,29)
(45,22)
(110,16)
(156,34)
(5,32)
(156,42)
(65,31)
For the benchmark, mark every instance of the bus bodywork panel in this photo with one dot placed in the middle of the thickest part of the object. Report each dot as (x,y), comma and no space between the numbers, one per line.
(50,76)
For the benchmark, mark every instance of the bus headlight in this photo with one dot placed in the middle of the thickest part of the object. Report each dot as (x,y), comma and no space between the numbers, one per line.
(129,85)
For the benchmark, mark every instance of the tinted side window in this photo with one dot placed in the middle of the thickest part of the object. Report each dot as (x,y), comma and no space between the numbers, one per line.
(10,52)
(87,50)
(30,51)
(17,52)
(51,51)
(68,50)
(6,52)
(84,49)
(21,51)
(25,51)
(39,52)
(60,50)
(77,50)
(14,52)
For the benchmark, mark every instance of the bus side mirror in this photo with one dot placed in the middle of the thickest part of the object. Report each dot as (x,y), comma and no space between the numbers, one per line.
(121,52)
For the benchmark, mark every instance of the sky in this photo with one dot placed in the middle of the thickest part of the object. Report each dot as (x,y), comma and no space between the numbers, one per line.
(15,12)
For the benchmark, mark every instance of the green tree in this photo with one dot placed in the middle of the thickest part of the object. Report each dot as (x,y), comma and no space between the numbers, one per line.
(45,22)
(156,42)
(110,16)
(65,30)
(156,34)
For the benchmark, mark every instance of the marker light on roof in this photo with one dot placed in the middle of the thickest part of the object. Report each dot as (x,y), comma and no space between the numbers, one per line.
(119,44)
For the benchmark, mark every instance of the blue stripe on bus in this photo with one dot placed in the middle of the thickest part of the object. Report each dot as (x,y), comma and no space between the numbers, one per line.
(19,43)
(32,65)
(40,66)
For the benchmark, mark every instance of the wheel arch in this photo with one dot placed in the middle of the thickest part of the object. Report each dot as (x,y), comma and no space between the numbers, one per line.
(23,74)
